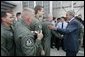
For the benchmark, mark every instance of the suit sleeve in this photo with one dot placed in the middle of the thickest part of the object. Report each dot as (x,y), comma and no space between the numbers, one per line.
(72,27)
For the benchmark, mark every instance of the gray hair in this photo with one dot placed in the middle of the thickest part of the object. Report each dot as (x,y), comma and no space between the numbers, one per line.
(27,10)
(71,12)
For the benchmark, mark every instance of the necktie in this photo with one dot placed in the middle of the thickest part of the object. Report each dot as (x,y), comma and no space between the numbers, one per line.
(68,22)
(62,25)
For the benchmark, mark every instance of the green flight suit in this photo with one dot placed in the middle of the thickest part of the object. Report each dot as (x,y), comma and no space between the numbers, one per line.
(4,52)
(37,26)
(24,39)
(7,42)
(47,37)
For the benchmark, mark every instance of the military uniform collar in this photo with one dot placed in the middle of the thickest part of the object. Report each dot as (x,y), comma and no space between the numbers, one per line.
(23,22)
(39,18)
(3,26)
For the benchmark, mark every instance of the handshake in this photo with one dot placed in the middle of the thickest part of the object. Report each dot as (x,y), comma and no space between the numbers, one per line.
(38,34)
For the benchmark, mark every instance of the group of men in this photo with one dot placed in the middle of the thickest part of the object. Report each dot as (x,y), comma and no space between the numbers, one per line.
(30,35)
(23,37)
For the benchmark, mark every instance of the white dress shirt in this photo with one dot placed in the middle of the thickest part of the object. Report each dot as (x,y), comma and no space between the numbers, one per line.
(59,25)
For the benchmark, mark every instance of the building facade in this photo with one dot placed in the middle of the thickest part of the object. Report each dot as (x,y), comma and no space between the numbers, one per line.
(56,8)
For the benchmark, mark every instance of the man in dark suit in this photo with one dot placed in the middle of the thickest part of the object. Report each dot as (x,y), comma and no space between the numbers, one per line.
(71,34)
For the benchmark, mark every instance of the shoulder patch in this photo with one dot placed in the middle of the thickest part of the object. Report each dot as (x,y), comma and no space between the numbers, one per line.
(28,42)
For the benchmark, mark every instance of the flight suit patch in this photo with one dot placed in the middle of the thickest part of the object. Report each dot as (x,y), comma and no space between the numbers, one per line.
(28,42)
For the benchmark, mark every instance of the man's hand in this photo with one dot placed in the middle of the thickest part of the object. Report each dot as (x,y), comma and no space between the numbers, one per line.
(51,27)
(39,35)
